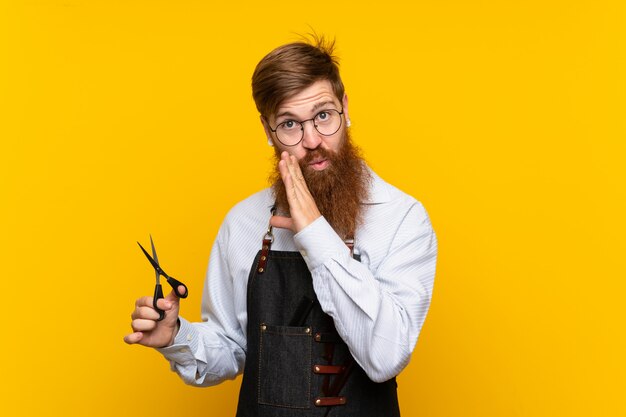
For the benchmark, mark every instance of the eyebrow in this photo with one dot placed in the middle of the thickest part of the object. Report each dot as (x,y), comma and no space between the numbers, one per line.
(322,104)
(315,107)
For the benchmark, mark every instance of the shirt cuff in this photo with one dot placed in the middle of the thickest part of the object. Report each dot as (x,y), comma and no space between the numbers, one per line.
(318,243)
(185,344)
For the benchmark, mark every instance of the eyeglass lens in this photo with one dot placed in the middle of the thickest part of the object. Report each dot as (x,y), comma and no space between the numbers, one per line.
(326,122)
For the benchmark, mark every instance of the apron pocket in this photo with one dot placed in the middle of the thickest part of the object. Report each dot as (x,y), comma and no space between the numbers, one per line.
(285,366)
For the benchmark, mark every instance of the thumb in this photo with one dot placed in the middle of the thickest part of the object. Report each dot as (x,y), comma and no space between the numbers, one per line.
(282,222)
(170,301)
(172,298)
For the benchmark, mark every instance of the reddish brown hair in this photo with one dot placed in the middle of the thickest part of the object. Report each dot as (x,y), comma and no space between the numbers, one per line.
(291,68)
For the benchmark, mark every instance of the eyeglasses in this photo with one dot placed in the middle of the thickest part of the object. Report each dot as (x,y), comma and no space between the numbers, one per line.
(291,132)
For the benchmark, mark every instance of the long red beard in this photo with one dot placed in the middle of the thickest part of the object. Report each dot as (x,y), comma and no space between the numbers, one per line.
(338,190)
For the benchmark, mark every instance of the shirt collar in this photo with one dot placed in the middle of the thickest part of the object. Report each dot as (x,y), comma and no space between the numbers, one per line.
(378,191)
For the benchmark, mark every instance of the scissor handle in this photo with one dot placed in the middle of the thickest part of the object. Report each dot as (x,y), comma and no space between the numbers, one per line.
(158,294)
(175,283)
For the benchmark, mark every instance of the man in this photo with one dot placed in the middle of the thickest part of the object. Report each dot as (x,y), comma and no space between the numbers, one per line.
(317,287)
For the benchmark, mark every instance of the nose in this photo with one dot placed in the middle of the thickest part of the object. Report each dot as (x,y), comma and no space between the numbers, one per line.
(311,138)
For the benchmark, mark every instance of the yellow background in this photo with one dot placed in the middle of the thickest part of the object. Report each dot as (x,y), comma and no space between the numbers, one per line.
(506,119)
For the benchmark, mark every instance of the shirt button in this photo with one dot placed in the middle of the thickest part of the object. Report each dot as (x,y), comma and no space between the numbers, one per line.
(183,350)
(189,337)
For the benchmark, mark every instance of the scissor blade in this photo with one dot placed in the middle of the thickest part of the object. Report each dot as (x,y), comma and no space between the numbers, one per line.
(152,261)
(156,259)
(154,255)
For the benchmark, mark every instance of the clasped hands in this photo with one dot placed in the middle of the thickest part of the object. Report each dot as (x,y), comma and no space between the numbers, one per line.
(302,207)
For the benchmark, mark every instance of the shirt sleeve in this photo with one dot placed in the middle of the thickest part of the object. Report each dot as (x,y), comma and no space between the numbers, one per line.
(378,313)
(213,350)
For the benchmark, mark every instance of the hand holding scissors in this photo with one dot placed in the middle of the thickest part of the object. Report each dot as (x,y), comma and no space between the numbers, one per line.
(158,290)
(155,319)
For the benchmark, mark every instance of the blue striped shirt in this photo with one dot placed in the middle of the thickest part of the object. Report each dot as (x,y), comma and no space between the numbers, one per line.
(378,304)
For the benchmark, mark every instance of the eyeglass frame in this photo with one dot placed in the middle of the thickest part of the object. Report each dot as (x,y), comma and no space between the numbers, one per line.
(302,122)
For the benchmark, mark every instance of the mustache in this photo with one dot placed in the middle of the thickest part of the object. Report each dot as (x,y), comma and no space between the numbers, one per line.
(316,154)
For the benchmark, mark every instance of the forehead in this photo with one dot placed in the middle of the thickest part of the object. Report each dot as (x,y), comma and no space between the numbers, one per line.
(304,102)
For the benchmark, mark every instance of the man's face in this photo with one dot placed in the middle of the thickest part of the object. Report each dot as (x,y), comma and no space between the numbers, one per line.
(303,106)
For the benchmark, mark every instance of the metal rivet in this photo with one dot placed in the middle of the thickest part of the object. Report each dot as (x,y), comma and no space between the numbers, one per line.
(261,269)
(263,327)
(265,247)
(307,330)
(263,258)
(317,368)
(318,337)
(318,401)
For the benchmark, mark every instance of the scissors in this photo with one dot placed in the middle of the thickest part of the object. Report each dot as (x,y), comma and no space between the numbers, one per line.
(158,291)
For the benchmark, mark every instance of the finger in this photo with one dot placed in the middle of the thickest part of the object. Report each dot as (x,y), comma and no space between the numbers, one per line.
(287,165)
(162,303)
(296,175)
(284,169)
(133,337)
(143,325)
(282,222)
(144,301)
(144,313)
(166,304)
(291,163)
(297,170)
(290,189)
(172,297)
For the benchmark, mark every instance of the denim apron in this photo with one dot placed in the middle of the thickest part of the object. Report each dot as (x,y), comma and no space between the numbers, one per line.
(296,363)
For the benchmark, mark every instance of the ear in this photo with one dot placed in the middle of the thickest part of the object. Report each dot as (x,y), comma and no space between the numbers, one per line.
(346,113)
(268,132)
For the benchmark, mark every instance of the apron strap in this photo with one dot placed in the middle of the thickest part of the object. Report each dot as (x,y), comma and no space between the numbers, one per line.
(268,239)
